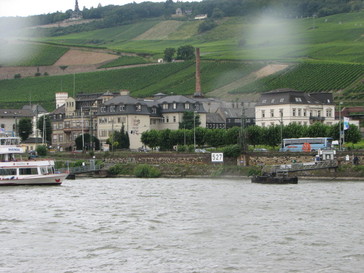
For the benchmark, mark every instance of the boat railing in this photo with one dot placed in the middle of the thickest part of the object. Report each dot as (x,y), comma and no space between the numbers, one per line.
(296,167)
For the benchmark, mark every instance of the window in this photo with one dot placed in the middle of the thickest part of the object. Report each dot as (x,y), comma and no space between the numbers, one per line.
(304,112)
(7,171)
(264,101)
(271,113)
(319,113)
(28,171)
(122,107)
(112,108)
(187,106)
(294,112)
(328,113)
(103,109)
(154,110)
(167,119)
(174,119)
(138,107)
(174,105)
(165,106)
(263,113)
(298,99)
(272,101)
(299,111)
(281,100)
(281,112)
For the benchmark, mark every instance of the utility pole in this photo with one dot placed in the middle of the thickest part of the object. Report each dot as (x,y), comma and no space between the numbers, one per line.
(243,130)
(340,124)
(83,135)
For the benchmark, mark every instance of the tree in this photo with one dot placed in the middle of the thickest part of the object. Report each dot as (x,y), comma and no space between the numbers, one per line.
(150,138)
(44,123)
(352,134)
(187,120)
(206,25)
(169,53)
(217,13)
(25,128)
(86,140)
(186,52)
(317,130)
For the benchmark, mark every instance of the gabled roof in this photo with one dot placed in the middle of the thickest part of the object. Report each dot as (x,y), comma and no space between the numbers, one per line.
(290,96)
(237,112)
(214,118)
(175,98)
(123,100)
(16,113)
(36,108)
(59,110)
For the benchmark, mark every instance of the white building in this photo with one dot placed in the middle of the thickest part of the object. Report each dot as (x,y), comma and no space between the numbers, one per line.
(290,106)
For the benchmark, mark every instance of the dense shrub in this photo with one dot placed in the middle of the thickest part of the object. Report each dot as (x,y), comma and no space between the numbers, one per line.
(41,150)
(146,171)
(232,151)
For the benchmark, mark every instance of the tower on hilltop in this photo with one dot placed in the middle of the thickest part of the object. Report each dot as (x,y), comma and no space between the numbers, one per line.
(76,7)
(76,14)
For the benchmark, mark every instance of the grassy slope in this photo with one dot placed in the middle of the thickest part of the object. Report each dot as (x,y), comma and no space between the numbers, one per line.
(333,40)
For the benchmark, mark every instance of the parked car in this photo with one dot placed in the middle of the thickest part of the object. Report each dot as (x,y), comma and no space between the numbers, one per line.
(260,150)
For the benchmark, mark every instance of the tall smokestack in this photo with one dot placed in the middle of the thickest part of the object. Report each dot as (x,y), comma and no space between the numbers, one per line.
(198,92)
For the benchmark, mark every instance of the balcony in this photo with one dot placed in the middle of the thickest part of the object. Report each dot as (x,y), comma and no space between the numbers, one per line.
(315,118)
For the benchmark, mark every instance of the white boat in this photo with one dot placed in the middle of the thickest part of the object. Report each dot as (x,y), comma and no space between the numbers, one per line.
(14,170)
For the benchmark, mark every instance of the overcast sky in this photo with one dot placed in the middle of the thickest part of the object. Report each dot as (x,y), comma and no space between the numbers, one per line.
(36,7)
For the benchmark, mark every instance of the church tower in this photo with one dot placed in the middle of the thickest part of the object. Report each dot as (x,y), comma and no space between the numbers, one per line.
(76,14)
(77,9)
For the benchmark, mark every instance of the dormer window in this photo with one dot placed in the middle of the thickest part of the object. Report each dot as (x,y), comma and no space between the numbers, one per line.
(272,101)
(264,101)
(165,106)
(187,106)
(281,100)
(154,110)
(103,109)
(298,99)
(112,108)
(122,107)
(174,105)
(138,107)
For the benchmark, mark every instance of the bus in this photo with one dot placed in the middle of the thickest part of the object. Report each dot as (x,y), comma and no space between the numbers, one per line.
(306,144)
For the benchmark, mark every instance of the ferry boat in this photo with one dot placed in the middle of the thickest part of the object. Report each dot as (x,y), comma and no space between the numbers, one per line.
(14,170)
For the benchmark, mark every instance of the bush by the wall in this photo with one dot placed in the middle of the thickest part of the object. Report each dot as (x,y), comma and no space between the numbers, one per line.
(146,171)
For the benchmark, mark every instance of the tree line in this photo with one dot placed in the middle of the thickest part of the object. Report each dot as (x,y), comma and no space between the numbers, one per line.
(113,15)
(252,135)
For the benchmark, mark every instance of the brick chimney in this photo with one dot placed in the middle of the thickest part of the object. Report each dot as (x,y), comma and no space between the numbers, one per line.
(198,92)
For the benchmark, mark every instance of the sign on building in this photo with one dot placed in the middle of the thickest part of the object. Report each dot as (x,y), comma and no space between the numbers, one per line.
(217,157)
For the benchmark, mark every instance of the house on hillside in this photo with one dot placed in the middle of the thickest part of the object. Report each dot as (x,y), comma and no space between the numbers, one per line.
(285,106)
(9,118)
(75,117)
(201,17)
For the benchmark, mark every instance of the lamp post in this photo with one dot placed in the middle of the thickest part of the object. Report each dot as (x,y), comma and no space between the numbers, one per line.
(281,121)
(83,135)
(194,130)
(340,124)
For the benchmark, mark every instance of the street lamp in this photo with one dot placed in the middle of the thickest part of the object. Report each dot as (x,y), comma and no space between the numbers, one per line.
(194,130)
(340,124)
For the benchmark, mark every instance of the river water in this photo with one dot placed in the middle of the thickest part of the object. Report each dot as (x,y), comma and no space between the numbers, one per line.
(182,225)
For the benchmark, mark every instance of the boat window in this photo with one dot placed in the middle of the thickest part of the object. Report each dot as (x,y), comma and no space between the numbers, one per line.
(44,170)
(28,171)
(7,171)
